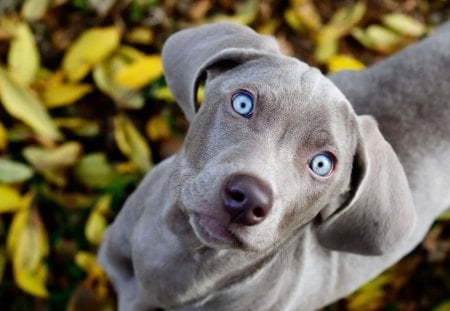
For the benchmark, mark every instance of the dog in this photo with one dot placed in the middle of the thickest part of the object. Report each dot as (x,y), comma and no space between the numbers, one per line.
(291,189)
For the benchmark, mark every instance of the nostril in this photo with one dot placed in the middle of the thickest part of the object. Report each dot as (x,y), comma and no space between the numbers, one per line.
(237,196)
(259,212)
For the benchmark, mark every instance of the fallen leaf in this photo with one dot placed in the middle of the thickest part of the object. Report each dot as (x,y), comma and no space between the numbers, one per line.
(140,73)
(14,172)
(93,292)
(344,62)
(327,44)
(27,246)
(96,223)
(443,306)
(383,39)
(131,142)
(140,35)
(23,55)
(163,93)
(103,76)
(292,20)
(23,105)
(245,15)
(10,199)
(44,158)
(79,126)
(92,47)
(404,24)
(347,17)
(33,10)
(71,200)
(87,262)
(3,137)
(307,14)
(370,296)
(64,94)
(94,171)
(157,128)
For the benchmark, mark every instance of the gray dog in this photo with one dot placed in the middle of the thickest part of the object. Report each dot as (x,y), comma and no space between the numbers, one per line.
(284,196)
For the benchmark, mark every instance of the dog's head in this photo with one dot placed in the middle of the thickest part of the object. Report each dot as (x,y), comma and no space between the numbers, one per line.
(275,145)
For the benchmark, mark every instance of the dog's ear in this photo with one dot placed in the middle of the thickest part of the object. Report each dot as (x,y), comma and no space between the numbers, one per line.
(380,211)
(189,53)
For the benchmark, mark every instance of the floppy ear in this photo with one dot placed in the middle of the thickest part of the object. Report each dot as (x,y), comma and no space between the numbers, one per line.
(189,53)
(380,210)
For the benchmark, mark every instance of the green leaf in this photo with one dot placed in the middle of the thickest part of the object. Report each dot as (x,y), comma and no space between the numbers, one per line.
(94,171)
(14,172)
(22,104)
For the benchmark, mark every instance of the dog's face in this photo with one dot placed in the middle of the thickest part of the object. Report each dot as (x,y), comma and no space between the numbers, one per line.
(273,144)
(272,131)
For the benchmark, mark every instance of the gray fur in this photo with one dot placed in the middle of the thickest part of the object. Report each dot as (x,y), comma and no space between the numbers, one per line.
(324,237)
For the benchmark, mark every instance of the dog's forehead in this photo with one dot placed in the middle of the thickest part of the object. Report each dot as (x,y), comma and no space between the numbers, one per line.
(283,81)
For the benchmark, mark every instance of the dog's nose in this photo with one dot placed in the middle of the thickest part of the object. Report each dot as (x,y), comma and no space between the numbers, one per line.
(247,200)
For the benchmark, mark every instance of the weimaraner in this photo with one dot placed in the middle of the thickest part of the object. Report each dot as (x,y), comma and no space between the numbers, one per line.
(284,195)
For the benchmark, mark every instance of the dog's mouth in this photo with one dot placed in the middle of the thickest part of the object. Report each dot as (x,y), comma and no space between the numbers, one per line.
(213,232)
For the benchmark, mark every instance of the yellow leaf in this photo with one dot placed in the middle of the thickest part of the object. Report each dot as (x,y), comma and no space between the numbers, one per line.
(308,16)
(10,199)
(140,72)
(33,282)
(23,55)
(163,93)
(95,228)
(103,204)
(50,158)
(33,10)
(14,172)
(157,128)
(443,306)
(131,143)
(344,62)
(71,200)
(92,47)
(27,245)
(23,105)
(64,94)
(79,126)
(129,54)
(103,77)
(292,19)
(3,137)
(347,17)
(404,24)
(87,262)
(370,296)
(140,35)
(383,39)
(96,223)
(327,44)
(246,14)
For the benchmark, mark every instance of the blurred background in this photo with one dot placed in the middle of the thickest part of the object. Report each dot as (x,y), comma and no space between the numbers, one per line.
(85,112)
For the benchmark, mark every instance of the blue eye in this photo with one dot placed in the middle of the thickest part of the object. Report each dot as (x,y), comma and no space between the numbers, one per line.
(322,164)
(242,103)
